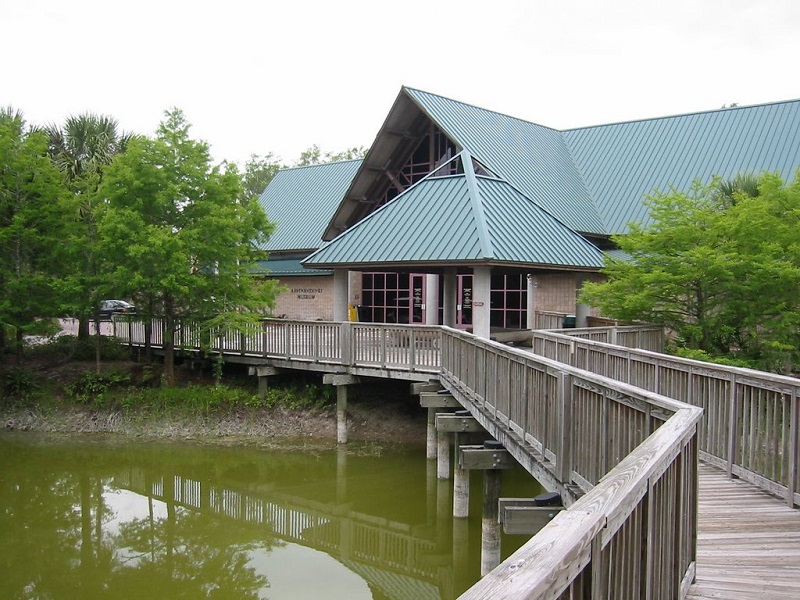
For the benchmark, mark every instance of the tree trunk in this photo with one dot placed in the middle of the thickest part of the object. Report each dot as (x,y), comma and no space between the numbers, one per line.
(83,327)
(169,342)
(19,341)
(97,341)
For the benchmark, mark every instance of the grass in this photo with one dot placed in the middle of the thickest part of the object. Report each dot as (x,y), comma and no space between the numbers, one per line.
(61,373)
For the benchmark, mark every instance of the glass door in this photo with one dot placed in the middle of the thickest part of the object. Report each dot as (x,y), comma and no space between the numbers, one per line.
(464,306)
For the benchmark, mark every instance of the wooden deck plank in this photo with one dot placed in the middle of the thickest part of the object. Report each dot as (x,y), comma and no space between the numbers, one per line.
(748,542)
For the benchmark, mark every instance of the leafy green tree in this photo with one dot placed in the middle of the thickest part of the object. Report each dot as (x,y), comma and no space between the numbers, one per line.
(182,236)
(719,265)
(31,216)
(762,231)
(314,155)
(81,149)
(258,172)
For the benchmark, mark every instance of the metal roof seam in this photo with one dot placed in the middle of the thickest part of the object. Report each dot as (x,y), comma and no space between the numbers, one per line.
(477,205)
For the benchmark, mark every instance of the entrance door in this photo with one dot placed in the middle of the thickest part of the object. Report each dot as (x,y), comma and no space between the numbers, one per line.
(464,306)
(418,298)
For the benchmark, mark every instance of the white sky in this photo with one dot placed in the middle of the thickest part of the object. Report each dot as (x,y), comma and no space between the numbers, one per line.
(258,77)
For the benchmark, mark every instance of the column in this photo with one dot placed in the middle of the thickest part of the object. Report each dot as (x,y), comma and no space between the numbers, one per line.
(341,294)
(481,301)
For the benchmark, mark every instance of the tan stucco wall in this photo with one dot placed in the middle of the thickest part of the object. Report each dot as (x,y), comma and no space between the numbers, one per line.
(306,298)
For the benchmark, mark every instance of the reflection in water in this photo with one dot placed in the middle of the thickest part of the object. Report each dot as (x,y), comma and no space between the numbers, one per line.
(81,518)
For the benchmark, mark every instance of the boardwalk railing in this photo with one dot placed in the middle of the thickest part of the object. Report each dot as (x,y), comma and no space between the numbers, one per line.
(349,535)
(628,455)
(633,533)
(407,348)
(752,418)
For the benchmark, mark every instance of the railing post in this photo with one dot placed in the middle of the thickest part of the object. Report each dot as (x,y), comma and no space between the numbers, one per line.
(564,457)
(345,339)
(412,344)
(264,326)
(794,441)
(733,426)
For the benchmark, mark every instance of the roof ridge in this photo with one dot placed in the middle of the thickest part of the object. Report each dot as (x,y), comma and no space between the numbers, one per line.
(488,110)
(325,164)
(682,115)
(584,183)
(487,248)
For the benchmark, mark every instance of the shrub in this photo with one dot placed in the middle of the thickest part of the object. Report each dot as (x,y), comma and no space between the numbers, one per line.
(18,384)
(94,387)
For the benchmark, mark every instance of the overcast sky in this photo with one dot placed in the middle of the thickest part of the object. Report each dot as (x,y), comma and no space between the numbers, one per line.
(255,77)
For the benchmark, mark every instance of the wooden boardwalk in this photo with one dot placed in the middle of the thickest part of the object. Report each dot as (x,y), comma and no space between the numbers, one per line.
(748,543)
(623,424)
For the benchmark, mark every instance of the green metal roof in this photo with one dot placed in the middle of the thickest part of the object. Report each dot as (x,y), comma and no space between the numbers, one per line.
(462,218)
(533,158)
(623,162)
(286,267)
(595,179)
(301,200)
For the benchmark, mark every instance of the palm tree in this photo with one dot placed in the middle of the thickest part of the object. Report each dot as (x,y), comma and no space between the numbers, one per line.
(86,143)
(81,149)
(729,189)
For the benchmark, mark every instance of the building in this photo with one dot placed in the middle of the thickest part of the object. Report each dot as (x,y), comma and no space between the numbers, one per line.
(467,217)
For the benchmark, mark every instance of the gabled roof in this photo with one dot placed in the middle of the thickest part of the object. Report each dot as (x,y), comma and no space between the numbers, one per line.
(458,219)
(301,200)
(592,179)
(623,162)
(535,159)
(285,267)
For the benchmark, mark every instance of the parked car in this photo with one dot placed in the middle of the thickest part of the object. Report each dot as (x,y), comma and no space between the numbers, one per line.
(108,308)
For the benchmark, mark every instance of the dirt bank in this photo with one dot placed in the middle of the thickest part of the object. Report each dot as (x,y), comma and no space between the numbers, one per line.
(365,423)
(378,411)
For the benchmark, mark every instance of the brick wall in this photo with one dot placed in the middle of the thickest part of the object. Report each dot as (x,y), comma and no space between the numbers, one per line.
(557,292)
(306,298)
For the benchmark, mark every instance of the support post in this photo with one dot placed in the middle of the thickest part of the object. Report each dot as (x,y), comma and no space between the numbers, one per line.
(263,373)
(341,294)
(481,301)
(491,458)
(442,455)
(340,382)
(531,305)
(460,493)
(341,414)
(430,446)
(449,291)
(490,525)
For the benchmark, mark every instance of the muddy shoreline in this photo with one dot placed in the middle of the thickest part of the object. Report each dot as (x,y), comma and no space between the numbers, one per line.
(363,424)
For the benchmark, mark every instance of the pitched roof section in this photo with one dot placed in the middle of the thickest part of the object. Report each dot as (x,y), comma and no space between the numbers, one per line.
(301,200)
(535,159)
(285,267)
(623,162)
(458,219)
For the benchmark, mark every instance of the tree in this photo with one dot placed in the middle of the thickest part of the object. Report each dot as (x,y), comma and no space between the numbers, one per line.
(719,265)
(31,216)
(182,235)
(315,156)
(258,172)
(81,150)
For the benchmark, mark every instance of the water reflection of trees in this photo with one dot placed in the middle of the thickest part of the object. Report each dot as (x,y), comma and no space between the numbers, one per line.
(54,542)
(184,555)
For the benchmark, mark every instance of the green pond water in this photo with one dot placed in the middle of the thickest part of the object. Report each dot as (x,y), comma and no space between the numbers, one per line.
(99,517)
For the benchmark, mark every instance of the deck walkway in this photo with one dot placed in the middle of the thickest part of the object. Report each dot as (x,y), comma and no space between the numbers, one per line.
(748,543)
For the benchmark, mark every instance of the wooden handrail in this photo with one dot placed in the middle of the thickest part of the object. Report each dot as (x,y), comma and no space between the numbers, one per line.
(625,458)
(752,418)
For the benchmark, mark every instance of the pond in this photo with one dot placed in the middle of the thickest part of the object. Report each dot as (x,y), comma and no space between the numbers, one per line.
(104,517)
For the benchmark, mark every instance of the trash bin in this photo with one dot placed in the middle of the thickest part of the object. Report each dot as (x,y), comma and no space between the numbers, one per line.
(569,322)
